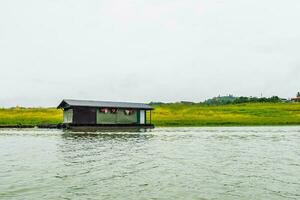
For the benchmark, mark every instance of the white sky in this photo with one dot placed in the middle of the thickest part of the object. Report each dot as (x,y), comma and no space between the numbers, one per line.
(142,51)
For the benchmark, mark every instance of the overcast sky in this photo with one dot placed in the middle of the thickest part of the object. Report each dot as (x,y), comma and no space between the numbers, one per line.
(152,50)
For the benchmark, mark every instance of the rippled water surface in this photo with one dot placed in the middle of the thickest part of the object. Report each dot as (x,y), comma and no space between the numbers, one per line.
(166,163)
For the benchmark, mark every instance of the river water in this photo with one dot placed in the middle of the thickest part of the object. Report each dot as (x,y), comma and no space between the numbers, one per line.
(165,163)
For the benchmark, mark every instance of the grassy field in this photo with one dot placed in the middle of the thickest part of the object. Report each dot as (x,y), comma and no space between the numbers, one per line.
(227,115)
(30,116)
(179,115)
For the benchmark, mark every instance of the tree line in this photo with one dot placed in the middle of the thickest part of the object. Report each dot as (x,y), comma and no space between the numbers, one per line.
(230,99)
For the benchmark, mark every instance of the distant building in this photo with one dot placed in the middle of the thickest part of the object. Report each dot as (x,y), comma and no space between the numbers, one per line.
(285,100)
(296,99)
(105,114)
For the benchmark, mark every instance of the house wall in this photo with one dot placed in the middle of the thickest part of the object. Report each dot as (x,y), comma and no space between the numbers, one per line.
(116,118)
(68,116)
(122,118)
(106,118)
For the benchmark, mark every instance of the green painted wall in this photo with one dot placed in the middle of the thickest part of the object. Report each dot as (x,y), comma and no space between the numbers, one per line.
(68,116)
(118,118)
(107,118)
(126,119)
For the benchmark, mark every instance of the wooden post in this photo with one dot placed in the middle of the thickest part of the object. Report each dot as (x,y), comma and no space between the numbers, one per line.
(150,117)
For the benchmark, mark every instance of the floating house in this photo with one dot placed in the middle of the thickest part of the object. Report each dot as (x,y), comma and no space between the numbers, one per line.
(83,113)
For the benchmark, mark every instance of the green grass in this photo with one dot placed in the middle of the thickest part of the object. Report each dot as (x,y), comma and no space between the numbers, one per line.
(30,116)
(255,114)
(227,115)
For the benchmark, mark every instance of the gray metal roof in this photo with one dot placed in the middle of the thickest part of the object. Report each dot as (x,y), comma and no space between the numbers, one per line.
(66,103)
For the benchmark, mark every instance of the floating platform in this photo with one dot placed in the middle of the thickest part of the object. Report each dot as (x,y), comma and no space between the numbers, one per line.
(87,128)
(100,127)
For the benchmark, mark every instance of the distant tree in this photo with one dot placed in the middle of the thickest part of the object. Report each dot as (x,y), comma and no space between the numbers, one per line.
(242,100)
(238,100)
(156,103)
(220,100)
(275,99)
(298,94)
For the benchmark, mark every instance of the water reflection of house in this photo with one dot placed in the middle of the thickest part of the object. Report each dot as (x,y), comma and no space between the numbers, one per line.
(82,113)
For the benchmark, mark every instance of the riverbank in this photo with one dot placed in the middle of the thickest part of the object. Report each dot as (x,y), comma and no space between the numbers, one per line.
(30,116)
(255,114)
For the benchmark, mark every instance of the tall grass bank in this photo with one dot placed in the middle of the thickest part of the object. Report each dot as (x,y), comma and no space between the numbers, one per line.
(253,114)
